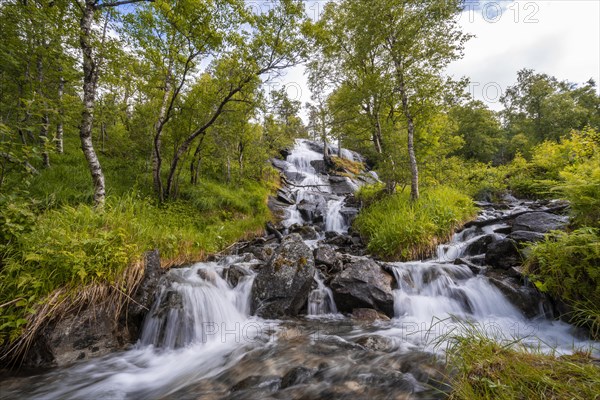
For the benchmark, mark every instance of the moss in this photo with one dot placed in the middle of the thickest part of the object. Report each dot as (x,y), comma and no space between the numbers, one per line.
(344,165)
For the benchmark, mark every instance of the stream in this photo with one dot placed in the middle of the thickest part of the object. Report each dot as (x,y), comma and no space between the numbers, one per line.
(201,341)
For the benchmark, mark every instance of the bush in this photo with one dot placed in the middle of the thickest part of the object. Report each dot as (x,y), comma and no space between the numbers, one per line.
(566,265)
(396,228)
(582,189)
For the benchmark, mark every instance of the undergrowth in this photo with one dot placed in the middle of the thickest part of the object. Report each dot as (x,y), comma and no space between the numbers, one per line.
(62,251)
(396,228)
(484,368)
(566,266)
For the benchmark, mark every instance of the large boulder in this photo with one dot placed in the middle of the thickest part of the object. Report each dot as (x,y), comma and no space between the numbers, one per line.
(281,288)
(503,254)
(363,284)
(539,221)
(526,298)
(341,185)
(526,236)
(479,245)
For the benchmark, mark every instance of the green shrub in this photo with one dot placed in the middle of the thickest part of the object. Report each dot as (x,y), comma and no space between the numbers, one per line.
(582,189)
(396,228)
(567,265)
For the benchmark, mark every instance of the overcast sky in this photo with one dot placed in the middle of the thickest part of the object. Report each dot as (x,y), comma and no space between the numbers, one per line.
(557,37)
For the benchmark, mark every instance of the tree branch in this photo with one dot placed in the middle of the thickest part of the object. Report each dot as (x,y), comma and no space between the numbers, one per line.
(121,3)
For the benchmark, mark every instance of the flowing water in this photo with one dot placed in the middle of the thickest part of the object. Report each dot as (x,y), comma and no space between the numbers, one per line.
(199,340)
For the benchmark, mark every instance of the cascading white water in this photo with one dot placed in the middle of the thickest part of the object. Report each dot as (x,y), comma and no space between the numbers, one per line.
(192,332)
(334,220)
(194,303)
(320,300)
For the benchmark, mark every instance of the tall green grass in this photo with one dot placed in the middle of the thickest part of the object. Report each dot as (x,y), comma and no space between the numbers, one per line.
(72,247)
(396,228)
(484,368)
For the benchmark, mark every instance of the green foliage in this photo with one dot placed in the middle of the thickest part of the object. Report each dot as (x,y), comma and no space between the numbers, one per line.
(582,188)
(76,246)
(484,368)
(566,266)
(396,228)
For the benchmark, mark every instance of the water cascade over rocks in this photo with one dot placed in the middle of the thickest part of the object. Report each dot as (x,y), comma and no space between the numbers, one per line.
(304,313)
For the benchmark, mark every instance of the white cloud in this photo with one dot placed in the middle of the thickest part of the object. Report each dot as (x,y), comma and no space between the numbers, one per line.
(560,38)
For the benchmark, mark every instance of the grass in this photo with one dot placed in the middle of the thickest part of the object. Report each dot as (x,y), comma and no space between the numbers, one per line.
(483,368)
(58,254)
(397,229)
(345,165)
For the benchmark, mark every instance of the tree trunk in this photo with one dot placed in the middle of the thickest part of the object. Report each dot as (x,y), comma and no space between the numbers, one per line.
(377,136)
(158,128)
(61,116)
(45,119)
(90,75)
(241,158)
(414,183)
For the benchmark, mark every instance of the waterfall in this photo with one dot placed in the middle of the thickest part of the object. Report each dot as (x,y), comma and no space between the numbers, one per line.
(193,304)
(321,301)
(334,220)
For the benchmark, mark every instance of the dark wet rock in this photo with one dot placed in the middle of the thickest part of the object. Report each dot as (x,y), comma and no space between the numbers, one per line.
(311,211)
(145,293)
(339,240)
(503,254)
(268,383)
(279,164)
(306,231)
(541,222)
(326,255)
(92,332)
(281,288)
(340,185)
(479,246)
(504,230)
(349,214)
(424,368)
(526,236)
(363,284)
(376,343)
(526,298)
(319,166)
(391,379)
(234,273)
(261,252)
(368,315)
(475,267)
(285,196)
(297,376)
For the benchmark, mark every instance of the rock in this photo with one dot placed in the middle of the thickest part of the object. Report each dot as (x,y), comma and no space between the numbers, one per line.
(87,334)
(368,315)
(539,221)
(503,254)
(341,185)
(279,164)
(526,236)
(297,376)
(376,343)
(326,255)
(526,298)
(349,214)
(319,166)
(281,288)
(268,382)
(306,231)
(479,245)
(363,284)
(285,197)
(261,252)
(311,211)
(234,273)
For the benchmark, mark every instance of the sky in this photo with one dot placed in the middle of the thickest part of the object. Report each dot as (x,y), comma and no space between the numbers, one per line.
(557,37)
